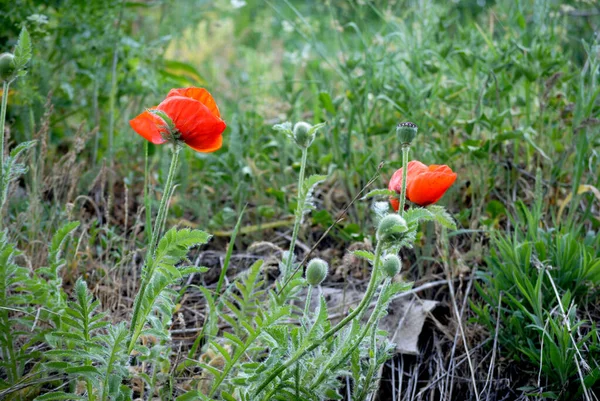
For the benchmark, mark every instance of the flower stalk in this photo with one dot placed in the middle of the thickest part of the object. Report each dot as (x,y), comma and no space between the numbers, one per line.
(155,235)
(356,312)
(405,154)
(299,211)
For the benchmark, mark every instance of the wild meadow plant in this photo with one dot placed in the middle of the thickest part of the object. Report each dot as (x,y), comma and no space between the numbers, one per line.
(60,347)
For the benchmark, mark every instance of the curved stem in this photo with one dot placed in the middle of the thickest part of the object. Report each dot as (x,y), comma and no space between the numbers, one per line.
(303,351)
(371,324)
(149,266)
(299,211)
(405,151)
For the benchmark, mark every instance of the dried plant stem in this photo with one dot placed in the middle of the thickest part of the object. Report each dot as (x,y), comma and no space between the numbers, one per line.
(458,314)
(570,330)
(358,311)
(405,153)
(148,267)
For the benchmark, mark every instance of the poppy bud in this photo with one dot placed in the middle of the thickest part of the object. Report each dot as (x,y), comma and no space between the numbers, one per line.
(303,135)
(316,271)
(7,66)
(391,265)
(406,132)
(391,227)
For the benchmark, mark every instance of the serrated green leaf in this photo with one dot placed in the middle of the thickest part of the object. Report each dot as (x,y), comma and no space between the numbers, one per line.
(370,256)
(22,50)
(59,239)
(442,216)
(22,147)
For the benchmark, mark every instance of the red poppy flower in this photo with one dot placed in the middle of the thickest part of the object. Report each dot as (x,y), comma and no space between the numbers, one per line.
(195,115)
(425,185)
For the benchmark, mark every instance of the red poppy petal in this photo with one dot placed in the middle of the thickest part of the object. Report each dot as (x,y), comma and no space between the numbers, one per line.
(395,202)
(199,94)
(414,167)
(149,126)
(440,168)
(427,188)
(395,183)
(197,125)
(207,146)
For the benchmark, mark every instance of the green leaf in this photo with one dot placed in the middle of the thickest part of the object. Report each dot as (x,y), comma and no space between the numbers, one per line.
(22,147)
(370,256)
(415,215)
(22,50)
(307,189)
(185,70)
(59,395)
(227,397)
(192,396)
(441,216)
(285,127)
(326,103)
(379,192)
(59,239)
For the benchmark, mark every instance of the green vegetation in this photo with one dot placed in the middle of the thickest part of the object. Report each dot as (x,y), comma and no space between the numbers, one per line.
(125,276)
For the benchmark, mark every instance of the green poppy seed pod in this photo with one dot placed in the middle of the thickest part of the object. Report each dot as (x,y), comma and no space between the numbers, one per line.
(303,135)
(406,132)
(391,227)
(316,271)
(391,265)
(7,66)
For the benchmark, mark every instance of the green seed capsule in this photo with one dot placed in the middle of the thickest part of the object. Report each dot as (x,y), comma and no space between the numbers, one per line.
(406,132)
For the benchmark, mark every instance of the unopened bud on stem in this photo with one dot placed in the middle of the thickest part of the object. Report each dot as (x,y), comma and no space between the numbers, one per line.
(391,228)
(316,271)
(391,265)
(7,66)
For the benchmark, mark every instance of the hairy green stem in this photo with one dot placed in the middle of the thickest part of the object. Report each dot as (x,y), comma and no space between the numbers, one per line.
(3,182)
(405,152)
(371,323)
(307,305)
(5,86)
(299,211)
(149,266)
(147,204)
(303,351)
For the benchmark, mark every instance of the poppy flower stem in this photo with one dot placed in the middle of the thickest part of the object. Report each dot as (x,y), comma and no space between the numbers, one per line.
(155,235)
(5,86)
(299,211)
(307,304)
(355,314)
(405,152)
(162,209)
